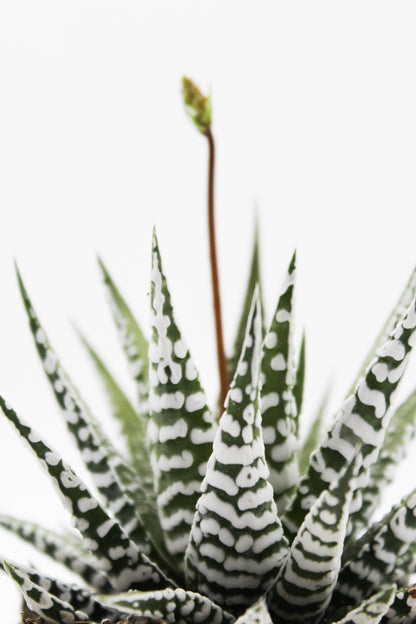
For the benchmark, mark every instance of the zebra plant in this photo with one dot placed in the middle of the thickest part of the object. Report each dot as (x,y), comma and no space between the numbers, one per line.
(226,519)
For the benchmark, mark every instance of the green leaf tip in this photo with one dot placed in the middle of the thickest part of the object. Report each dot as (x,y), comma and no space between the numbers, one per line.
(254,279)
(198,106)
(131,338)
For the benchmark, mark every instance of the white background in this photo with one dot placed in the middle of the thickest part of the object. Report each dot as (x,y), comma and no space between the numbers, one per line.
(314,115)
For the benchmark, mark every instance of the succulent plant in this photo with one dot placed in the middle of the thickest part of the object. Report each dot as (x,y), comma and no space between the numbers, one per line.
(227,519)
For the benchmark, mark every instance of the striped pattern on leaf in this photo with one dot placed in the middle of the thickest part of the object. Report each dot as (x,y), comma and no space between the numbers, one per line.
(116,555)
(174,606)
(181,428)
(68,552)
(237,545)
(362,420)
(307,579)
(375,563)
(81,600)
(403,608)
(137,480)
(49,607)
(278,405)
(132,340)
(372,610)
(96,450)
(399,309)
(401,431)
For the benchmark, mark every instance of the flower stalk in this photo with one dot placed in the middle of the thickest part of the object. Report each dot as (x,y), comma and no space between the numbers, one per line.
(199,110)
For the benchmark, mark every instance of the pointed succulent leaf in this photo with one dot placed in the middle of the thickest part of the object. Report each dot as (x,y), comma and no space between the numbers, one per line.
(58,547)
(131,422)
(401,431)
(375,562)
(132,340)
(98,453)
(399,309)
(173,606)
(299,384)
(308,576)
(52,609)
(403,608)
(236,544)
(253,281)
(257,613)
(314,435)
(278,405)
(362,420)
(81,600)
(116,555)
(181,427)
(372,610)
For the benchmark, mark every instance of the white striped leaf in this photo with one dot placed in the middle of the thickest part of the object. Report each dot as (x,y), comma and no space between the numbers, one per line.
(173,606)
(309,574)
(372,610)
(374,561)
(101,459)
(132,340)
(181,427)
(52,609)
(138,483)
(401,431)
(81,600)
(405,299)
(116,555)
(61,549)
(237,545)
(278,404)
(362,420)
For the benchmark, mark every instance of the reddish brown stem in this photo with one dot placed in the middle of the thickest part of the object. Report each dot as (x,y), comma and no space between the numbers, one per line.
(222,360)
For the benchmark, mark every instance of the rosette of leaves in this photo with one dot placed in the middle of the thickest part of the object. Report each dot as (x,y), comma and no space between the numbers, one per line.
(232,518)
